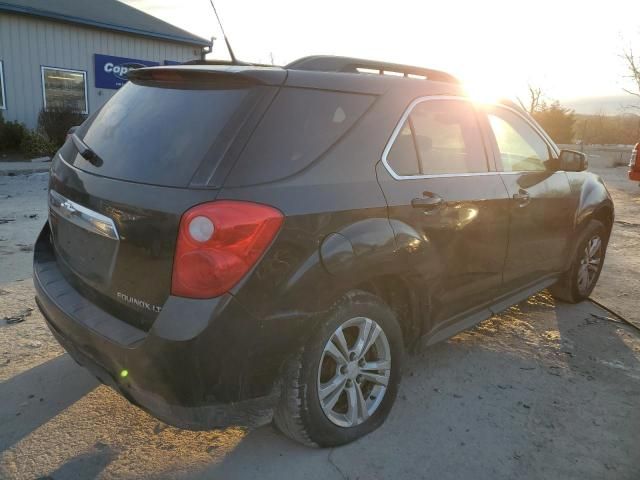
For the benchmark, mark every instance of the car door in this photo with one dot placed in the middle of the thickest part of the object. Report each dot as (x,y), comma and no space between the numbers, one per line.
(448,207)
(542,209)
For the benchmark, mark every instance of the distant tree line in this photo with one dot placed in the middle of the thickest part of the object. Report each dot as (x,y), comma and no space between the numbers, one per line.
(607,129)
(565,126)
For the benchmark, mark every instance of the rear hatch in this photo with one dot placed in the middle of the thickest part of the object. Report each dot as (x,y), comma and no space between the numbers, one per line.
(119,186)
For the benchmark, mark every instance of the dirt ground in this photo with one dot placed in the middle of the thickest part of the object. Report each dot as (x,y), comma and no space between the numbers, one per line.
(23,211)
(619,282)
(545,390)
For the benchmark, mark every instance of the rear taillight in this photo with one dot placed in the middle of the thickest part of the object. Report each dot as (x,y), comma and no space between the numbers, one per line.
(218,243)
(634,163)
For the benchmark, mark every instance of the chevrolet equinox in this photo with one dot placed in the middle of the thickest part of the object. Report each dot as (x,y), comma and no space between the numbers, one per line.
(235,244)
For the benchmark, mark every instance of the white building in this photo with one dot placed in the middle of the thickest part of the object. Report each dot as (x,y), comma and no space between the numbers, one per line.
(74,53)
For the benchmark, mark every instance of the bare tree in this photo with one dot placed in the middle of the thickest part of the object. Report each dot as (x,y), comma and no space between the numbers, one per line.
(633,68)
(535,98)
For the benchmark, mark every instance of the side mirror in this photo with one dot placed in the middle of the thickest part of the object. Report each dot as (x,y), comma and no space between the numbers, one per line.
(572,161)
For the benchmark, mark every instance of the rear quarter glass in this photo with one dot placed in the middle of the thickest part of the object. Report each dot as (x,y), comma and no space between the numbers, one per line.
(298,128)
(158,134)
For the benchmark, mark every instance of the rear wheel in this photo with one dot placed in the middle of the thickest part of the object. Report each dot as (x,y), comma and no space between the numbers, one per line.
(578,283)
(342,383)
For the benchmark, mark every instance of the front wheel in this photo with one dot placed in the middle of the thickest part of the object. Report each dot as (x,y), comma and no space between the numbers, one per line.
(342,383)
(578,283)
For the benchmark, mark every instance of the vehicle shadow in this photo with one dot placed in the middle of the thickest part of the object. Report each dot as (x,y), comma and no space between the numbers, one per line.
(35,396)
(540,391)
(526,394)
(87,465)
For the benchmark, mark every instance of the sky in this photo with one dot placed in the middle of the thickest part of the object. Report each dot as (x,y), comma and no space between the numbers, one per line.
(570,49)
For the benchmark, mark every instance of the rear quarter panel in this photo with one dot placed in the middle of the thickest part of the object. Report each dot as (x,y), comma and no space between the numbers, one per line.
(336,198)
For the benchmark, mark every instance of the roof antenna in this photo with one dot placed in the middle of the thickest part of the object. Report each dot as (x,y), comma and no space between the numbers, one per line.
(234,60)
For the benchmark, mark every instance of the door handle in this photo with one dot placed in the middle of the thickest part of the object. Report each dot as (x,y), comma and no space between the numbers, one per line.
(522,197)
(428,202)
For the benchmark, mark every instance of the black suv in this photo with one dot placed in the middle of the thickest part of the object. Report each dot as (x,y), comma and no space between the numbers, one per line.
(227,244)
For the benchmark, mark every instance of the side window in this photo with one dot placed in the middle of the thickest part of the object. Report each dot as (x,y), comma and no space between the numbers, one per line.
(402,157)
(448,137)
(521,148)
(446,140)
(300,125)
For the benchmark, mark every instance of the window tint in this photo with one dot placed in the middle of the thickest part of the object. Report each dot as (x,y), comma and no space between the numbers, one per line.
(300,125)
(64,89)
(157,135)
(3,102)
(446,140)
(402,156)
(521,148)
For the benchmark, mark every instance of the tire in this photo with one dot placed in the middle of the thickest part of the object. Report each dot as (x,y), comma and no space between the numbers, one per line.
(300,414)
(572,287)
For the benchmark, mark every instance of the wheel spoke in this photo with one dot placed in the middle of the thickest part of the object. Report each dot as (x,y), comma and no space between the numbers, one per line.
(356,405)
(373,336)
(375,378)
(594,246)
(363,335)
(330,392)
(583,278)
(333,350)
(362,404)
(341,342)
(381,365)
(352,405)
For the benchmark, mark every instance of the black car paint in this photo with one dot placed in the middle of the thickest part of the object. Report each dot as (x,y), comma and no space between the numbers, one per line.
(348,224)
(146,216)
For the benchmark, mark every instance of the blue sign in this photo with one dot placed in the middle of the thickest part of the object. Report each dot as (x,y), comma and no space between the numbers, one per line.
(111,72)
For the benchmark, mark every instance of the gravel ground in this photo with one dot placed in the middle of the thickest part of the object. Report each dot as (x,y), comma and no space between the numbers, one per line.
(544,390)
(23,211)
(619,282)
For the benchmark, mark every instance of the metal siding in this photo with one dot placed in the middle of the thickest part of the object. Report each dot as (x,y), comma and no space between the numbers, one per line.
(28,43)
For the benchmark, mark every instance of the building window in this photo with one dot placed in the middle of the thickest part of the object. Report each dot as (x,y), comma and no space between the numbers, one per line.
(64,89)
(3,98)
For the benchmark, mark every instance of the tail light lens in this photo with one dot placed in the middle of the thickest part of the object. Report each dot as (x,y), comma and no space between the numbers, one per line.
(634,163)
(218,243)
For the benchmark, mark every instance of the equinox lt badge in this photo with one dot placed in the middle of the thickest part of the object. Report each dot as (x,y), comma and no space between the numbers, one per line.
(137,302)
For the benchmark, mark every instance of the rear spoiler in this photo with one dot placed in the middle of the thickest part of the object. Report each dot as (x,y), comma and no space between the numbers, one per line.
(209,74)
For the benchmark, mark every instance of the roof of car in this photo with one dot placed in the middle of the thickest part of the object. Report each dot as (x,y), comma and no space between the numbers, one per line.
(333,73)
(106,14)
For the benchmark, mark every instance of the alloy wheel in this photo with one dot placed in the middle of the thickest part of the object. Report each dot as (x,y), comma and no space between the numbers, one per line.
(589,264)
(354,372)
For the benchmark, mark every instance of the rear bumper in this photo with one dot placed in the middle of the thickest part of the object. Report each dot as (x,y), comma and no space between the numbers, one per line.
(188,370)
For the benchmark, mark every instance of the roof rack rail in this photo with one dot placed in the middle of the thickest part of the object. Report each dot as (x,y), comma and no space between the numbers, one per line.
(226,62)
(330,63)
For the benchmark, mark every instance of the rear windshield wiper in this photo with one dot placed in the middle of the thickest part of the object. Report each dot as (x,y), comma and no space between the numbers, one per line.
(85,151)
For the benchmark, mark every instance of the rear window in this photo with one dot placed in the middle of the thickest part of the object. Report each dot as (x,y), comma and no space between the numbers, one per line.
(158,134)
(299,127)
